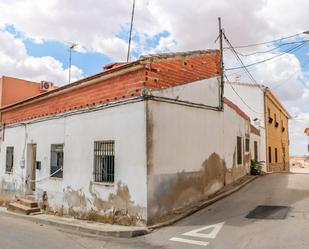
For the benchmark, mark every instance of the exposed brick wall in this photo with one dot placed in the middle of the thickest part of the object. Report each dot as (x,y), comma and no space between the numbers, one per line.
(121,87)
(170,71)
(182,69)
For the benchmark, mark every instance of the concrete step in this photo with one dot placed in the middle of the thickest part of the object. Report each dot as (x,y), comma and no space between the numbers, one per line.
(22,209)
(27,202)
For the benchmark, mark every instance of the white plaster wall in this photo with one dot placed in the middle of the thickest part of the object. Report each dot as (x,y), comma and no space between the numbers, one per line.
(254,97)
(254,137)
(204,92)
(124,124)
(184,137)
(234,125)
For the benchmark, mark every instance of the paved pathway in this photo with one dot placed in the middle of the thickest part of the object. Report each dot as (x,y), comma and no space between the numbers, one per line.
(222,225)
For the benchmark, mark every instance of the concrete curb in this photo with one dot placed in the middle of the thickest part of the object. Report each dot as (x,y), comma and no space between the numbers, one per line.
(119,234)
(130,233)
(203,205)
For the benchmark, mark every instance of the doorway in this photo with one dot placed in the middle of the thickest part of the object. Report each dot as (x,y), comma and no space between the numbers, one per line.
(31,168)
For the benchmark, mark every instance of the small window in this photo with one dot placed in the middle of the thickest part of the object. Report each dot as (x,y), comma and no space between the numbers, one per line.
(104,161)
(239,150)
(255,151)
(56,160)
(9,159)
(269,154)
(247,146)
(276,155)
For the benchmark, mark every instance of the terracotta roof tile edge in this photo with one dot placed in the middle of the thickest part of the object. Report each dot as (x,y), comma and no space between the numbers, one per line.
(236,108)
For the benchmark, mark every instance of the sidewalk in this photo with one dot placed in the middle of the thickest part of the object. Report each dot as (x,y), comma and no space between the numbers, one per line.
(129,231)
(81,225)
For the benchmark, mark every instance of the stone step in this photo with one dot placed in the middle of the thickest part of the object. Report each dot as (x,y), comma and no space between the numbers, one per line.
(27,202)
(19,208)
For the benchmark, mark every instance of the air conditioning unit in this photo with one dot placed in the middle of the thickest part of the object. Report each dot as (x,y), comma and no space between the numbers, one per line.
(47,86)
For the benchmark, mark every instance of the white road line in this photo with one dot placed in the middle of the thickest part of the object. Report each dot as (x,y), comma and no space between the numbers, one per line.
(189,241)
(211,235)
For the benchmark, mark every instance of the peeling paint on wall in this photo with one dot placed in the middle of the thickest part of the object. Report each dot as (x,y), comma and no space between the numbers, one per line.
(75,198)
(8,191)
(236,171)
(181,189)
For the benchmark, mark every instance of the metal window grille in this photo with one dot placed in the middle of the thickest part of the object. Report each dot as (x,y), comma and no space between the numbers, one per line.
(255,151)
(276,155)
(269,154)
(9,159)
(247,145)
(56,160)
(239,150)
(104,161)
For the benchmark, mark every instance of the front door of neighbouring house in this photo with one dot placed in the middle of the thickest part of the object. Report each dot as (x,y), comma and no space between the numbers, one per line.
(31,168)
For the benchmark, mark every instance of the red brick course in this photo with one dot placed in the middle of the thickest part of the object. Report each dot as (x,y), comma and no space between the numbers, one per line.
(158,72)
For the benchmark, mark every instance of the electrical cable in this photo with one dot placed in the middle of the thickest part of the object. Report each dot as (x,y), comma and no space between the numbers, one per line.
(268,59)
(285,81)
(263,43)
(240,60)
(270,50)
(242,100)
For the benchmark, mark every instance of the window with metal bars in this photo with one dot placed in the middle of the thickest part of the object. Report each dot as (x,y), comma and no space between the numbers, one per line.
(9,159)
(247,145)
(56,160)
(255,150)
(239,150)
(104,161)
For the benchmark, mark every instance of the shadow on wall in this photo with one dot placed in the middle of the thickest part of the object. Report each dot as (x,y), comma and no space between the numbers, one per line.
(168,193)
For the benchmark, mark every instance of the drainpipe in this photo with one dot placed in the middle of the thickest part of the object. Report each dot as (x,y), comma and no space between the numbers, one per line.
(23,160)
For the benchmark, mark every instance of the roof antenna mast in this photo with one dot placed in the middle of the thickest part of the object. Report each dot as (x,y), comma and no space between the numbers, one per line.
(130,35)
(72,46)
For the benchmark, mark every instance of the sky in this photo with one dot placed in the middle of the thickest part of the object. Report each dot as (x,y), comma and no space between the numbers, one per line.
(35,35)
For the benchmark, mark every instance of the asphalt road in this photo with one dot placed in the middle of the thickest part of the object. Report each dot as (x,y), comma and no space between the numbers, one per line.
(219,226)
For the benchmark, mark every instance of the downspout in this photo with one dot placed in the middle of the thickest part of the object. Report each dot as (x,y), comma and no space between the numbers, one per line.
(266,130)
(221,104)
(23,160)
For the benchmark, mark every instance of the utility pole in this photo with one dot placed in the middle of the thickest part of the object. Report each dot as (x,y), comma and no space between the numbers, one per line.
(221,65)
(71,48)
(131,27)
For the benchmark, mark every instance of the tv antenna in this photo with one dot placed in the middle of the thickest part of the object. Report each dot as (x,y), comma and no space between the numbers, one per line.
(72,46)
(131,27)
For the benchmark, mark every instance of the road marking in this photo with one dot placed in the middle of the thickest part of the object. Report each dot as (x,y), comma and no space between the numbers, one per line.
(214,230)
(189,241)
(213,233)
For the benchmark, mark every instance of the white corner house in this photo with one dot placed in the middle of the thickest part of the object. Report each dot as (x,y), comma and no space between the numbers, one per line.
(130,144)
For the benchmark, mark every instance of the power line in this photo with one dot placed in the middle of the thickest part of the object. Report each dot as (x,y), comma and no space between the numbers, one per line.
(285,81)
(241,62)
(270,50)
(263,43)
(238,72)
(242,100)
(273,57)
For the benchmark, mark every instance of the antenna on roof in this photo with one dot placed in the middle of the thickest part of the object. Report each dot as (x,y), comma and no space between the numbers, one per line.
(130,35)
(72,46)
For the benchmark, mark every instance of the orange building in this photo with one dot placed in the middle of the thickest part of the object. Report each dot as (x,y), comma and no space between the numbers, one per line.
(13,90)
(277,134)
